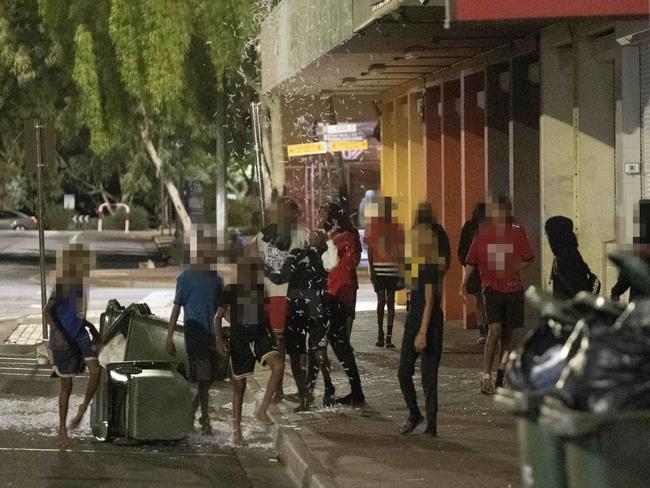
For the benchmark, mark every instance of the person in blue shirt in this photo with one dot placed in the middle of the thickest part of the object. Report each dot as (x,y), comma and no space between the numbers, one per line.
(72,347)
(198,293)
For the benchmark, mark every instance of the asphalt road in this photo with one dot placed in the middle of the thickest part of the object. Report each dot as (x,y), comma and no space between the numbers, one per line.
(113,249)
(20,293)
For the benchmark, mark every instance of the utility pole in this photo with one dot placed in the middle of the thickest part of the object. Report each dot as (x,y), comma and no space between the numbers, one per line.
(344,194)
(259,161)
(220,156)
(39,148)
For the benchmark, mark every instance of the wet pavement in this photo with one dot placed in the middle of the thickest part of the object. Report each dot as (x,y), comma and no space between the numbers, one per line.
(476,444)
(33,457)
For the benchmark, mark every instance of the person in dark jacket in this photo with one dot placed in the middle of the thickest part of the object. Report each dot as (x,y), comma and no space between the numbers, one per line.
(306,272)
(470,229)
(641,247)
(429,260)
(339,300)
(570,273)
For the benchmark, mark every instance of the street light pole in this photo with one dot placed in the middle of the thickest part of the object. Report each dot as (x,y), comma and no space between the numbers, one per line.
(40,160)
(220,156)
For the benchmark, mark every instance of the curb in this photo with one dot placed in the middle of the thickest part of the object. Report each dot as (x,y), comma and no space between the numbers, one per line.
(303,467)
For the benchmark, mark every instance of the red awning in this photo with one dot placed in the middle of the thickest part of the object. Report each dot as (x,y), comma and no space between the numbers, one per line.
(485,10)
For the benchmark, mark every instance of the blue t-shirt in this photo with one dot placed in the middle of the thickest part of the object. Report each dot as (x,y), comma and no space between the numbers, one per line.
(67,310)
(199,293)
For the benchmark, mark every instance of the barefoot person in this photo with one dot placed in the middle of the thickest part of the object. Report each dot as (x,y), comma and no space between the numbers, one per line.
(273,245)
(500,252)
(428,260)
(198,292)
(72,348)
(243,307)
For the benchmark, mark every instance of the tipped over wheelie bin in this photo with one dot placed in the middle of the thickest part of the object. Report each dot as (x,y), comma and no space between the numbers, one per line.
(144,394)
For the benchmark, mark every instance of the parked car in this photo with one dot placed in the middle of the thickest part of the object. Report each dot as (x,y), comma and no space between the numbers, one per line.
(11,219)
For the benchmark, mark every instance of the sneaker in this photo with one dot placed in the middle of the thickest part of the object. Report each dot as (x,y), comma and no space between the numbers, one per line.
(389,344)
(431,430)
(379,343)
(409,425)
(480,340)
(328,396)
(206,427)
(352,400)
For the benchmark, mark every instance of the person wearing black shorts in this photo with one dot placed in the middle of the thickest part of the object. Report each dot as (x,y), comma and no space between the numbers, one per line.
(250,340)
(500,251)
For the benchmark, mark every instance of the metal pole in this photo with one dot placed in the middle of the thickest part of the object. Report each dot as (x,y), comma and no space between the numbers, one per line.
(38,127)
(259,169)
(220,153)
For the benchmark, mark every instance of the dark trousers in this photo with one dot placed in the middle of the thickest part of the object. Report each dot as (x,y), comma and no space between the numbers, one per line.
(429,362)
(337,336)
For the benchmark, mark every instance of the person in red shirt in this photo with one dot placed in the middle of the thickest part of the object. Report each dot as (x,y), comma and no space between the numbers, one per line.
(500,251)
(385,240)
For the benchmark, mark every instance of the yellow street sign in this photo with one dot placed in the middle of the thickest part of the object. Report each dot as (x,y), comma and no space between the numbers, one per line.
(295,150)
(335,146)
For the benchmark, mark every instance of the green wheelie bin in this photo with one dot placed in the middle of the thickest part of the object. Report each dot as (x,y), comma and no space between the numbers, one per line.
(144,394)
(601,451)
(541,451)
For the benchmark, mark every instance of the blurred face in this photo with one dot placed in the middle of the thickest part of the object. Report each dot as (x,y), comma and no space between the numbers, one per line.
(496,212)
(75,264)
(249,273)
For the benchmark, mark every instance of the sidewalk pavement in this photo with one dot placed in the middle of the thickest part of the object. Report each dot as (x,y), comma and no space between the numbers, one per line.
(476,444)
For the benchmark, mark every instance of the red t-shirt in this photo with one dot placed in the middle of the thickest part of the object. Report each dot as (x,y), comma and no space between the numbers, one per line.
(385,240)
(497,252)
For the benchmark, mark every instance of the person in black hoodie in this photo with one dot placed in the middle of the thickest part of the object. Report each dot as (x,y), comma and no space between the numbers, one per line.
(470,229)
(306,272)
(570,274)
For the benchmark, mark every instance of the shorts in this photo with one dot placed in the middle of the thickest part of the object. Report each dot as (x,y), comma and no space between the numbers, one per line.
(385,283)
(275,309)
(69,360)
(202,356)
(503,308)
(246,347)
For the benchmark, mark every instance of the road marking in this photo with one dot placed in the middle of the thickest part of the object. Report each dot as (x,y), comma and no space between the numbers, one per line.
(74,238)
(92,451)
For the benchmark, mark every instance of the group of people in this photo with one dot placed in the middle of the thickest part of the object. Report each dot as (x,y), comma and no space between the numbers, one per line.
(294,293)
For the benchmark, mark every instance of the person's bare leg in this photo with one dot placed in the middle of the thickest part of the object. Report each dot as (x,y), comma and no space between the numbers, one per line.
(279,344)
(64,401)
(493,339)
(238,389)
(95,371)
(277,371)
(204,402)
(506,346)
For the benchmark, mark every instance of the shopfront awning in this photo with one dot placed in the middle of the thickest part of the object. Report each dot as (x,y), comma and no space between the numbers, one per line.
(369,46)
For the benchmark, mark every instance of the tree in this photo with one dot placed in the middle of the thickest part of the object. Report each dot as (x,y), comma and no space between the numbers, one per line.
(144,72)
